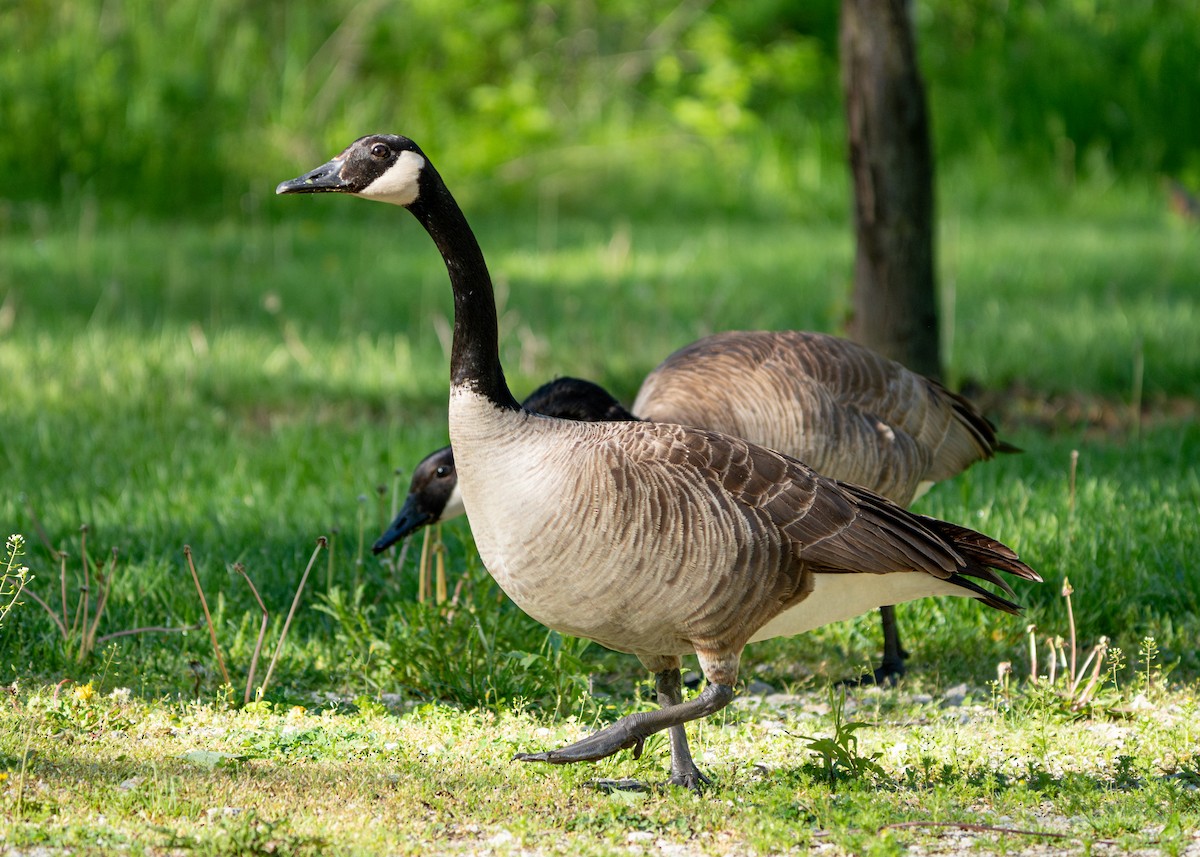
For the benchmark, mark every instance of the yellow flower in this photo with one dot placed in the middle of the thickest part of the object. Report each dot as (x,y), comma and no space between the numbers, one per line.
(85,692)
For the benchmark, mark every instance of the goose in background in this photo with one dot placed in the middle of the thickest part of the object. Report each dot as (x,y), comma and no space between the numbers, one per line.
(844,410)
(654,539)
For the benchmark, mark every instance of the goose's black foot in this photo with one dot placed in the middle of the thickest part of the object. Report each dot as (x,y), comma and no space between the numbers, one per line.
(892,667)
(894,654)
(598,745)
(887,674)
(632,730)
(691,780)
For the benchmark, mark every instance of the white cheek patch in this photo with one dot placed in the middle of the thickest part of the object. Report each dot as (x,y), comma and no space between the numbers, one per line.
(454,505)
(399,184)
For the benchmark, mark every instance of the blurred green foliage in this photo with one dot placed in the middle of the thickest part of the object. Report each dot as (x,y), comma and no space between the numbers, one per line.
(164,107)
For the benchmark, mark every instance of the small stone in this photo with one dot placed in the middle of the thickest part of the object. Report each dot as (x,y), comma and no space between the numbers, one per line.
(954,696)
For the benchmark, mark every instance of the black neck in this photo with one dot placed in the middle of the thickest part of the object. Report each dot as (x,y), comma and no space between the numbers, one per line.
(475,353)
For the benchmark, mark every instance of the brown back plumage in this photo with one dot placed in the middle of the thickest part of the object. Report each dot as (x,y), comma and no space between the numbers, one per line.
(842,409)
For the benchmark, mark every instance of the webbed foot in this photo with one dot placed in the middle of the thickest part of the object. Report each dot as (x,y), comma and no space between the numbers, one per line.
(598,745)
(691,780)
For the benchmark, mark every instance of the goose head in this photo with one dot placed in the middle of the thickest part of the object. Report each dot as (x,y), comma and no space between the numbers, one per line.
(392,168)
(382,167)
(433,496)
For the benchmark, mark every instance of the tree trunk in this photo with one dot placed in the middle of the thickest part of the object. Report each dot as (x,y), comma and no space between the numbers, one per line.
(895,297)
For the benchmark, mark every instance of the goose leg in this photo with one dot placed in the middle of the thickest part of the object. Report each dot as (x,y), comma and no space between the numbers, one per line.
(632,730)
(892,666)
(683,769)
(894,654)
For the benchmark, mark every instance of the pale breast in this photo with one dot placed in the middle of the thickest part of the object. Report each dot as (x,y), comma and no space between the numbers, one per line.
(595,530)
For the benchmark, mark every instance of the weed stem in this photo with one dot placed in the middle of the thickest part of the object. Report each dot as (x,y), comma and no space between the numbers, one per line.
(212,632)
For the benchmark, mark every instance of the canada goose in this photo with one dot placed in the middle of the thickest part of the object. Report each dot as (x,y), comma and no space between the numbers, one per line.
(844,410)
(650,538)
(433,494)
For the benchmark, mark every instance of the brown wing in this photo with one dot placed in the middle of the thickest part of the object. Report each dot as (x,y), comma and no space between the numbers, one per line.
(822,526)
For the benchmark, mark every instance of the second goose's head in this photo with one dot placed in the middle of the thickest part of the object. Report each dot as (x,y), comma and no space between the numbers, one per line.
(433,496)
(383,167)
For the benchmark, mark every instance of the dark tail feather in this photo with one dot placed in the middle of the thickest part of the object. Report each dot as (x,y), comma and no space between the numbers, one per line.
(985,549)
(983,556)
(948,550)
(988,597)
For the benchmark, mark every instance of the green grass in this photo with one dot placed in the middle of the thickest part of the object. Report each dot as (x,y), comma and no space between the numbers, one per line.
(108,773)
(242,387)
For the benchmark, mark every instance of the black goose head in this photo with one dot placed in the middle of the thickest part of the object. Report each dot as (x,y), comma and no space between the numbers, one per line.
(432,497)
(575,399)
(384,167)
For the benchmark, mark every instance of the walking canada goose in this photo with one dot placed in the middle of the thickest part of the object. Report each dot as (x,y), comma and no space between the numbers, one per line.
(651,538)
(844,410)
(433,494)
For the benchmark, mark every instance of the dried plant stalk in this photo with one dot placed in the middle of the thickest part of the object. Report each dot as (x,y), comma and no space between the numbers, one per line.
(1031,630)
(1074,676)
(321,542)
(212,632)
(262,630)
(423,569)
(439,550)
(1098,653)
(104,586)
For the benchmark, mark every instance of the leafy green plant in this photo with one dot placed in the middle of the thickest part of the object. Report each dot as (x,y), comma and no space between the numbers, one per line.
(1151,673)
(839,753)
(82,707)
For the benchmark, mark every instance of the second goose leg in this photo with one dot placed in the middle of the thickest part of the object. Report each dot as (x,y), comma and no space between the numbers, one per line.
(892,667)
(684,772)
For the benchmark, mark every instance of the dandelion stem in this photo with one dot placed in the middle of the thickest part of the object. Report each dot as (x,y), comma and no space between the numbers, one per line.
(321,542)
(212,631)
(262,630)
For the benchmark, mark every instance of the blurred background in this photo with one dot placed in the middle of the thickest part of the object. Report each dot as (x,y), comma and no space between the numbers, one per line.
(636,106)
